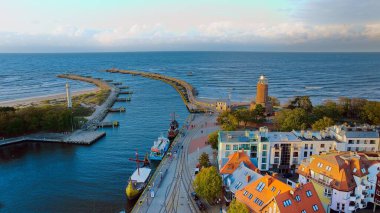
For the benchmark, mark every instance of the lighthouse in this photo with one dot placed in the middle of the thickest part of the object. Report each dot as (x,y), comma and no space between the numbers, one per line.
(262,97)
(262,91)
(68,96)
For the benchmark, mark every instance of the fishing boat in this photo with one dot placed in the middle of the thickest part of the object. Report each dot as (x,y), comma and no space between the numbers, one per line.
(173,129)
(159,149)
(139,179)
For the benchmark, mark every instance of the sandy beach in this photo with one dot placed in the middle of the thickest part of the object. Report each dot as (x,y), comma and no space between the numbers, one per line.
(38,99)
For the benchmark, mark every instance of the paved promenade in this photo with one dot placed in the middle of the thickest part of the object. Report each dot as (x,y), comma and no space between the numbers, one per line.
(172,183)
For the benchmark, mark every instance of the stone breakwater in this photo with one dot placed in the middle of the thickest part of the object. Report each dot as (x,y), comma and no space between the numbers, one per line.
(187,91)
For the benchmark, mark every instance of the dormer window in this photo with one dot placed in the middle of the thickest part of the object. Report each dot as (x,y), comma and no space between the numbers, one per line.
(308,193)
(363,170)
(287,202)
(315,207)
(298,198)
(260,187)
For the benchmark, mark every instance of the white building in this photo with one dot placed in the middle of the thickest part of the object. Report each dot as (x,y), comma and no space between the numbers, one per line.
(344,181)
(361,138)
(280,151)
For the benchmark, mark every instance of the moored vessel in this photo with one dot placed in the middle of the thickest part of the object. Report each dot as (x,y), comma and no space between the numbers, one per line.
(159,149)
(173,129)
(139,179)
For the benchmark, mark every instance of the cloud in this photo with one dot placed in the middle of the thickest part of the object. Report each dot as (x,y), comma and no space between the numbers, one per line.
(336,12)
(125,38)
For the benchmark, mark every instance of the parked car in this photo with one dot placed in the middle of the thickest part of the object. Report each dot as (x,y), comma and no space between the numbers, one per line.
(201,206)
(194,196)
(287,175)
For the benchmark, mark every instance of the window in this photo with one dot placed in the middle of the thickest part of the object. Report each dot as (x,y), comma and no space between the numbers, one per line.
(322,145)
(372,142)
(238,185)
(276,146)
(305,154)
(264,147)
(228,147)
(277,154)
(236,147)
(350,141)
(260,186)
(258,201)
(245,193)
(338,206)
(343,205)
(320,165)
(287,203)
(328,168)
(348,148)
(363,170)
(263,160)
(311,146)
(315,207)
(308,193)
(354,170)
(295,154)
(298,198)
(250,196)
(263,166)
(303,211)
(311,153)
(277,160)
(264,153)
(306,146)
(273,188)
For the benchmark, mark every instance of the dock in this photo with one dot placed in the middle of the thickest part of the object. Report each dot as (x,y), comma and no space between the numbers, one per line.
(77,137)
(123,87)
(120,109)
(126,92)
(123,99)
(186,90)
(108,124)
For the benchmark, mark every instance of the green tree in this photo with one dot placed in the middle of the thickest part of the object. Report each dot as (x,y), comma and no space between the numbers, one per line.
(322,123)
(213,139)
(371,113)
(204,160)
(241,114)
(228,121)
(302,102)
(274,101)
(208,184)
(257,115)
(287,120)
(237,207)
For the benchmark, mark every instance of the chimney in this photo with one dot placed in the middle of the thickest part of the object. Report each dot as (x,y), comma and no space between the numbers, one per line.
(248,178)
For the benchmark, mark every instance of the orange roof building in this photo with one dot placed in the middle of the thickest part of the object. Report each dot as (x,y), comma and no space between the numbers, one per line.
(237,173)
(340,178)
(269,194)
(234,161)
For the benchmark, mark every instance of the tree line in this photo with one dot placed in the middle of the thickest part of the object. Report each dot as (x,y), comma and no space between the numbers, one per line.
(300,113)
(19,121)
(231,120)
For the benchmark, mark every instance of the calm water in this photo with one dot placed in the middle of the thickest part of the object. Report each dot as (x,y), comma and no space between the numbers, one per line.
(66,178)
(320,75)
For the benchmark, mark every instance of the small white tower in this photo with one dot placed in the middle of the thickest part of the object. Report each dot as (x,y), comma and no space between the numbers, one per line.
(68,96)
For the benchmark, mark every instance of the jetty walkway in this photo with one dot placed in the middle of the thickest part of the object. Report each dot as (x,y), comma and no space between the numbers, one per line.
(186,90)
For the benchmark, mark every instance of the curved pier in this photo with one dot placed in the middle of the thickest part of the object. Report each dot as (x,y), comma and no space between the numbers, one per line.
(186,90)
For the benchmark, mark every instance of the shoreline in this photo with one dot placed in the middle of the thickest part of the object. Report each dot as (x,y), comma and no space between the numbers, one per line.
(36,100)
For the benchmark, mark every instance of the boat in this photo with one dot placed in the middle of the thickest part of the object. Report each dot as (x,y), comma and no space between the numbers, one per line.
(139,179)
(159,149)
(173,129)
(189,73)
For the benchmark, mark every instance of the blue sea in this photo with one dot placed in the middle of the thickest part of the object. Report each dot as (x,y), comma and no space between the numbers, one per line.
(38,177)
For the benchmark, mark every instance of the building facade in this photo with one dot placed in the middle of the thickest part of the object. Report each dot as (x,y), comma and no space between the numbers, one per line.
(344,181)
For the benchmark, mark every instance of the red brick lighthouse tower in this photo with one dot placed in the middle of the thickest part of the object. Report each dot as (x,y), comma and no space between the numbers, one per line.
(262,97)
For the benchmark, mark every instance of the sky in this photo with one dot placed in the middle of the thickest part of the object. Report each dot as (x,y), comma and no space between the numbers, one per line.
(193,25)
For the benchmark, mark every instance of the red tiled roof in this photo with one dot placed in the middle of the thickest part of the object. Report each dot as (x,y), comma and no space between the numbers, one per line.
(299,200)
